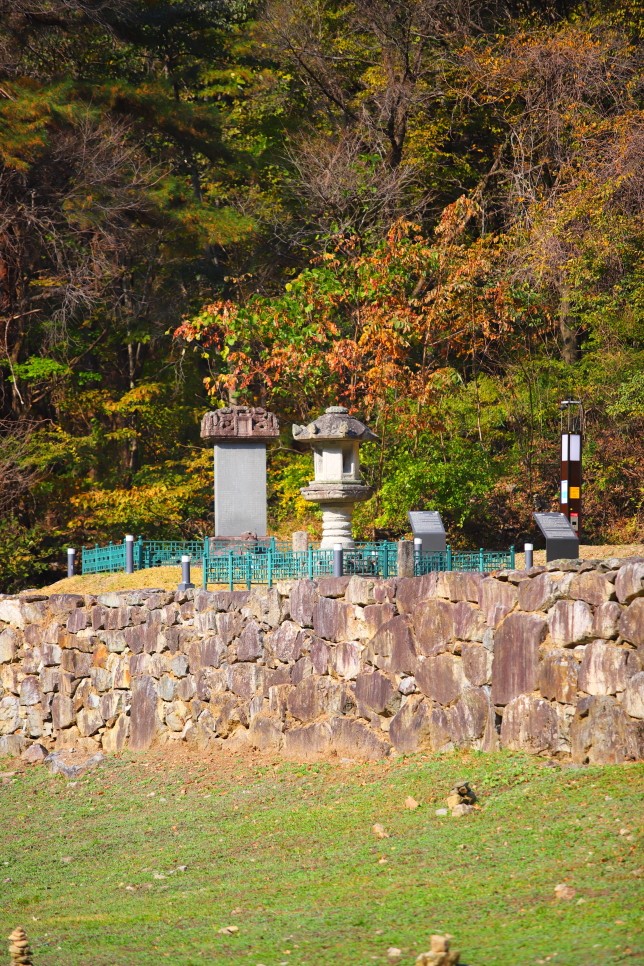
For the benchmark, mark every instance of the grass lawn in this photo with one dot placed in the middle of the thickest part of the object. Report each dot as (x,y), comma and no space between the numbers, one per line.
(286,853)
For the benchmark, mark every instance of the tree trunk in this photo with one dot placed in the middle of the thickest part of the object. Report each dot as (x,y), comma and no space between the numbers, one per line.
(569,334)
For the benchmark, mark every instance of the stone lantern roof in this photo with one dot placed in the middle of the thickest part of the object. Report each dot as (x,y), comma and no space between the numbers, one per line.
(334,424)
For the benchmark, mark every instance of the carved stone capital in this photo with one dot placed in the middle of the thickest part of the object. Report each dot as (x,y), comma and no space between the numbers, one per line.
(239,423)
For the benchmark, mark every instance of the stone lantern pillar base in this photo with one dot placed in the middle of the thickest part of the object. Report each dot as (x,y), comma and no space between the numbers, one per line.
(336,525)
(336,501)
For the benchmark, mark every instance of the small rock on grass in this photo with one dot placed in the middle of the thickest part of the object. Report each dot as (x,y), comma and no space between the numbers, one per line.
(394,954)
(440,953)
(460,810)
(441,811)
(465,791)
(411,802)
(228,930)
(379,831)
(563,891)
(19,951)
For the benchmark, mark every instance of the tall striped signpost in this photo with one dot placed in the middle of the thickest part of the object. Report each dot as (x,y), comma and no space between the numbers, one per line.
(572,425)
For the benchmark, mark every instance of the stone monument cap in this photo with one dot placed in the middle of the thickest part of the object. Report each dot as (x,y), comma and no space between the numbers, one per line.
(239,422)
(334,424)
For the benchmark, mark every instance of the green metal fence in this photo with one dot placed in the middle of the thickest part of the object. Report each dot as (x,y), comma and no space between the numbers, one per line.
(147,553)
(158,553)
(101,560)
(266,561)
(267,566)
(468,561)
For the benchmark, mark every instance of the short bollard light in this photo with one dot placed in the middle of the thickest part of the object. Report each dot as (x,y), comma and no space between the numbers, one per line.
(338,560)
(71,561)
(528,549)
(418,555)
(185,573)
(129,553)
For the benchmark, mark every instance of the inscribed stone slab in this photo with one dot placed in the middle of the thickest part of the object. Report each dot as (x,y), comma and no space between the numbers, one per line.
(240,489)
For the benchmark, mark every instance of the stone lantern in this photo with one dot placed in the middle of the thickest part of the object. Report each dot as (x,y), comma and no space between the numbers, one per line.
(335,440)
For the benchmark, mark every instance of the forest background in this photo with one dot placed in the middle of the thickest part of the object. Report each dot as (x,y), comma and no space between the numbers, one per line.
(427,210)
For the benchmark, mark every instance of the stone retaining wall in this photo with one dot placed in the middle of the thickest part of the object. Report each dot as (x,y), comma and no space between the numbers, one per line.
(550,661)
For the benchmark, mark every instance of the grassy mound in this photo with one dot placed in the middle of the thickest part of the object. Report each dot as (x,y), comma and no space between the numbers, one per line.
(164,578)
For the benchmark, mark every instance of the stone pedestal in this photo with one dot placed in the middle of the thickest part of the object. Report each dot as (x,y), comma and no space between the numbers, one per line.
(300,541)
(335,439)
(406,558)
(240,435)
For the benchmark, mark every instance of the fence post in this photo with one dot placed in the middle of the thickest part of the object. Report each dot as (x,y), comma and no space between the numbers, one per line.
(481,560)
(385,566)
(269,568)
(249,570)
(185,573)
(204,567)
(310,562)
(529,558)
(71,561)
(449,556)
(338,560)
(205,553)
(129,553)
(138,559)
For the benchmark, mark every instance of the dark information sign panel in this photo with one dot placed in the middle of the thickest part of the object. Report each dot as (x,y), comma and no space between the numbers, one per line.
(427,525)
(562,542)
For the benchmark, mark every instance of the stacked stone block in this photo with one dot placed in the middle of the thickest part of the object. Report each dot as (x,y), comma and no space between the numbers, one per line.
(549,661)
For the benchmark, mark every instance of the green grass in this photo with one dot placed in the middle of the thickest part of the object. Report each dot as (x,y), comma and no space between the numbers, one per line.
(286,853)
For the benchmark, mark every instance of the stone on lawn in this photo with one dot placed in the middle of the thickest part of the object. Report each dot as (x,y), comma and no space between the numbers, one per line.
(440,953)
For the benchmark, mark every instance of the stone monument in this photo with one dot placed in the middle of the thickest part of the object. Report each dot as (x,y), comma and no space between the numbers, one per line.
(240,435)
(335,439)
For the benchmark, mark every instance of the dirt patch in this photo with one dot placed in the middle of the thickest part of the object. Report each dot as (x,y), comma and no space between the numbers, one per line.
(587,552)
